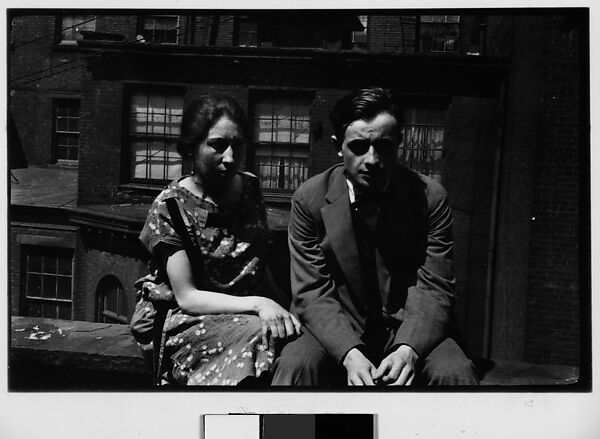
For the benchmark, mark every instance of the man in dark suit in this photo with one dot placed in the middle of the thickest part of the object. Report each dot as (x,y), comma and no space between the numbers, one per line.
(371,264)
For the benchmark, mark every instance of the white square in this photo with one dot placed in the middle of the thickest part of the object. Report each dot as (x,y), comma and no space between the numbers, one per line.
(231,427)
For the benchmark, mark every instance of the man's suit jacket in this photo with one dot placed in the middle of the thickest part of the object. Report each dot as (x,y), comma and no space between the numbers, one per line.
(329,291)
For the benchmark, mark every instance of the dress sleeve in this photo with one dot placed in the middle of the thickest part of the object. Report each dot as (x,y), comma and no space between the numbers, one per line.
(159,227)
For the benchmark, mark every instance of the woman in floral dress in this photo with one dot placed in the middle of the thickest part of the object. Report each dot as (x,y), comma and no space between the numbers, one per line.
(227,324)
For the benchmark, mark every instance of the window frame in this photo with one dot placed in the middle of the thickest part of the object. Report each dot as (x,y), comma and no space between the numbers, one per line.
(56,102)
(421,23)
(303,98)
(72,30)
(440,106)
(128,170)
(109,316)
(141,29)
(45,252)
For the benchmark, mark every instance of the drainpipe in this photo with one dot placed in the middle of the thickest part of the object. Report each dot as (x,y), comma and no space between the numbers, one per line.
(493,235)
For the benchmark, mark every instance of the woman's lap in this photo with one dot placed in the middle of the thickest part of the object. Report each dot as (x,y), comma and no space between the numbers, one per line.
(220,349)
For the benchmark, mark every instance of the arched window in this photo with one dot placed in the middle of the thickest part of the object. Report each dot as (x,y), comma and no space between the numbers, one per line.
(112,302)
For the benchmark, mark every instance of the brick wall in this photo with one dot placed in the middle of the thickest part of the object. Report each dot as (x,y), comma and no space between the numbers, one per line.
(468,178)
(101,126)
(553,303)
(95,265)
(537,291)
(392,33)
(39,74)
(118,24)
(202,26)
(517,184)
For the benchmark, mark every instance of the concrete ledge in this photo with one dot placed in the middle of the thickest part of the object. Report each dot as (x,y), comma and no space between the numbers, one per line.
(75,355)
(52,354)
(86,345)
(516,373)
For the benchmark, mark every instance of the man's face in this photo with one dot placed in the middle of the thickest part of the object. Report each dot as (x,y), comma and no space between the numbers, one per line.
(369,151)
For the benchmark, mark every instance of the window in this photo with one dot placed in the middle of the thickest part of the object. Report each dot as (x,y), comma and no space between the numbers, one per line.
(66,130)
(439,33)
(112,302)
(422,147)
(359,38)
(48,276)
(154,119)
(281,142)
(72,25)
(160,29)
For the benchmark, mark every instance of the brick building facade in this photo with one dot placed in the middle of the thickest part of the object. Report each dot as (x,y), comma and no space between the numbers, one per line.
(492,105)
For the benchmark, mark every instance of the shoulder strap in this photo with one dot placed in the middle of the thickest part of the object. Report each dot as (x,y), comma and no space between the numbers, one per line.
(185,231)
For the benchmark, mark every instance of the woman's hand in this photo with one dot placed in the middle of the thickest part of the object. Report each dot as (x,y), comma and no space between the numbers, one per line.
(277,320)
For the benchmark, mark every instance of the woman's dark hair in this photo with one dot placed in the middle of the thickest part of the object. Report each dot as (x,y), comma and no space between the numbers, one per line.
(363,103)
(201,115)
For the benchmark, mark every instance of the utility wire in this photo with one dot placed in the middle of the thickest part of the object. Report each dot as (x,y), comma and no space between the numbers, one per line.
(64,64)
(55,33)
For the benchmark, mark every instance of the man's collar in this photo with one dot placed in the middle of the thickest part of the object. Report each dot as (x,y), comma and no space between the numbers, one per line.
(352,193)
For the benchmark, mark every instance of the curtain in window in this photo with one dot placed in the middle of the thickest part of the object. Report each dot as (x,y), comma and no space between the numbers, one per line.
(154,121)
(422,147)
(281,130)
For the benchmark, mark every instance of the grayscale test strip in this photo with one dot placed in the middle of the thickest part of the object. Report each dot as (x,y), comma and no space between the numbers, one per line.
(289,426)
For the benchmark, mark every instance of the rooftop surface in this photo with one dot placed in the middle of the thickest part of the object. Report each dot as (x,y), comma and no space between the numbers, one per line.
(57,187)
(44,187)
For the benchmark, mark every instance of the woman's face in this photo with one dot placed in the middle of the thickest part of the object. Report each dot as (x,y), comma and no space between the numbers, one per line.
(217,157)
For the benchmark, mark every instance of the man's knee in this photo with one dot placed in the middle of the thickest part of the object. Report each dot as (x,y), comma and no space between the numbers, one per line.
(447,365)
(301,363)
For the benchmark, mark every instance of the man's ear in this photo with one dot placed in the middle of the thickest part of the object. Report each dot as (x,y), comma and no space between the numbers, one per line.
(334,141)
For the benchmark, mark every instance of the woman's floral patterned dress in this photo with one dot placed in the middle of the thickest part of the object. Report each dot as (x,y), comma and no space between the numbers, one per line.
(218,349)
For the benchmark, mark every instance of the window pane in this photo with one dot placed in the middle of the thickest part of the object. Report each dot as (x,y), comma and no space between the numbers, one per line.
(423,141)
(77,23)
(281,132)
(49,310)
(263,130)
(73,124)
(64,287)
(34,285)
(33,308)
(64,311)
(49,286)
(49,264)
(67,130)
(67,23)
(34,263)
(280,123)
(300,131)
(139,159)
(155,121)
(73,153)
(173,163)
(62,123)
(111,301)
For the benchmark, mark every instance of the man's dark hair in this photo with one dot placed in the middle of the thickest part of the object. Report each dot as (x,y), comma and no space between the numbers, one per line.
(201,115)
(363,103)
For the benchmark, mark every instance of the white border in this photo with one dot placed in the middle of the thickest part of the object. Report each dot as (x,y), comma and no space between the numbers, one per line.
(410,415)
